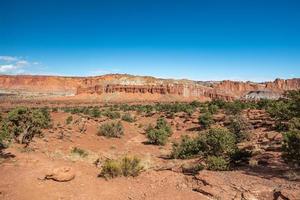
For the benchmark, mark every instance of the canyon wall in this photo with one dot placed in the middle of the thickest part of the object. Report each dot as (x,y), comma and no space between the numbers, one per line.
(138,85)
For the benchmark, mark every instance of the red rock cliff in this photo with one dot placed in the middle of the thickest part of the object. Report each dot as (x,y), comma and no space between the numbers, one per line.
(127,84)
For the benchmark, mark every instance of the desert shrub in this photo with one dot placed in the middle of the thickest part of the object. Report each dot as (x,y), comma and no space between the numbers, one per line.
(79,151)
(294,102)
(240,127)
(157,136)
(5,136)
(55,109)
(161,123)
(111,169)
(160,133)
(220,142)
(218,102)
(205,120)
(264,103)
(175,108)
(294,124)
(127,166)
(212,108)
(25,123)
(240,157)
(128,117)
(95,112)
(291,147)
(131,166)
(69,120)
(196,104)
(217,163)
(112,114)
(280,110)
(233,108)
(215,142)
(188,147)
(111,129)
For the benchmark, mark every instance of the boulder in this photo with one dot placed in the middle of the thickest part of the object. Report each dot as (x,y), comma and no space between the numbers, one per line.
(61,174)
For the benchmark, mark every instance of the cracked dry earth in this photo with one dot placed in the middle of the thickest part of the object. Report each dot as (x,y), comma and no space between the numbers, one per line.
(22,173)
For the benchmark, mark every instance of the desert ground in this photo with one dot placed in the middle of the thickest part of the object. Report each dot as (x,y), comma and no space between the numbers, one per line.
(50,168)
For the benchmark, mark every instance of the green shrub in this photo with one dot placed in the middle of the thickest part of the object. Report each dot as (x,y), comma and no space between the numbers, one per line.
(111,169)
(234,108)
(220,142)
(127,166)
(294,124)
(128,118)
(212,108)
(188,147)
(217,163)
(25,123)
(240,127)
(112,114)
(111,129)
(157,136)
(95,112)
(280,110)
(5,136)
(206,120)
(240,157)
(131,166)
(291,147)
(79,151)
(160,133)
(69,120)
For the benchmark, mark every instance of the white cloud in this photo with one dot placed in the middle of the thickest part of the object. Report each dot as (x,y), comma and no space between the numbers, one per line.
(11,69)
(8,58)
(22,63)
(14,65)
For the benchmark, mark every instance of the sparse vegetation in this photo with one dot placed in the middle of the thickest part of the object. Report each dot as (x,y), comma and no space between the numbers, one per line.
(24,123)
(111,114)
(80,152)
(205,120)
(240,127)
(188,147)
(111,129)
(5,137)
(159,134)
(127,166)
(217,163)
(69,120)
(128,118)
(218,147)
(291,147)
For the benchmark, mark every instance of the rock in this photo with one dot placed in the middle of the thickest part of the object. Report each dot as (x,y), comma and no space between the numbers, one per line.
(271,135)
(248,196)
(61,174)
(285,194)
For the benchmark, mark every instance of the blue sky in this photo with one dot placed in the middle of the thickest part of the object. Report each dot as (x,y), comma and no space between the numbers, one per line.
(202,40)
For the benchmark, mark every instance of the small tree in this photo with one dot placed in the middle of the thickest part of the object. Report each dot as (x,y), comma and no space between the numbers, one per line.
(5,137)
(240,127)
(188,147)
(220,142)
(206,120)
(291,147)
(160,133)
(25,123)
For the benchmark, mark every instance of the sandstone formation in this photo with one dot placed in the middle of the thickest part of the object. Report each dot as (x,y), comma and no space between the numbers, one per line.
(106,85)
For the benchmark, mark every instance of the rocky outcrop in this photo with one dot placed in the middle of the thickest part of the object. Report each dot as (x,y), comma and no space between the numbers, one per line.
(108,84)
